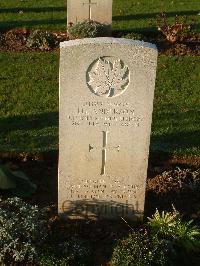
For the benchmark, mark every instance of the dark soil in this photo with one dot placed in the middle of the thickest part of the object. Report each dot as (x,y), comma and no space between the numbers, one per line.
(166,185)
(16,40)
(179,49)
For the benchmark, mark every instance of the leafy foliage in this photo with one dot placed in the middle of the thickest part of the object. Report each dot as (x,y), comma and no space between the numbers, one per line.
(162,223)
(22,230)
(79,250)
(49,258)
(168,226)
(16,181)
(135,36)
(42,40)
(86,29)
(69,251)
(140,249)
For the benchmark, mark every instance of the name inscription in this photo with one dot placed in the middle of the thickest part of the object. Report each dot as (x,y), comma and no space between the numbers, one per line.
(101,114)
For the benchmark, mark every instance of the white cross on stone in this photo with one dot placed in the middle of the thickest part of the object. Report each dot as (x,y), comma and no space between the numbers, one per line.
(90,4)
(104,151)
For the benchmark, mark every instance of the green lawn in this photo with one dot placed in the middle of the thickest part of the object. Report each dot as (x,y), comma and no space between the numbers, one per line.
(29,103)
(29,81)
(127,14)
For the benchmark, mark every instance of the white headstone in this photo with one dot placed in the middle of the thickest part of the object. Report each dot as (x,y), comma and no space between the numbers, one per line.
(98,10)
(106,102)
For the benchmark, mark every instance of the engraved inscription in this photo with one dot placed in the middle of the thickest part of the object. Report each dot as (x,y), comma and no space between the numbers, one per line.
(100,114)
(101,189)
(104,151)
(108,77)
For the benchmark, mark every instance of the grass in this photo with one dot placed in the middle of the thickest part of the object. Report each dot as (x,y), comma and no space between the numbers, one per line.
(176,120)
(127,14)
(29,81)
(29,103)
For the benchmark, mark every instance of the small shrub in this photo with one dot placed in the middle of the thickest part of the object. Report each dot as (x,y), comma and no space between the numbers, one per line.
(175,32)
(86,29)
(163,223)
(22,230)
(48,258)
(41,40)
(140,249)
(168,226)
(16,39)
(71,251)
(78,250)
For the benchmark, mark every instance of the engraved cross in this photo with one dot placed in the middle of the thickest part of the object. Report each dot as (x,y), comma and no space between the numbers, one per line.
(90,8)
(104,151)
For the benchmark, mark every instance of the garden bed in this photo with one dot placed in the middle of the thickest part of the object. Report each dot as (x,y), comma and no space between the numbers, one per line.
(25,40)
(168,183)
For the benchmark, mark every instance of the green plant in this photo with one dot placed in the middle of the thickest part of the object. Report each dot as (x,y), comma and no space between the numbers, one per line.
(140,249)
(42,40)
(78,250)
(86,29)
(169,226)
(22,230)
(134,36)
(163,223)
(69,251)
(48,258)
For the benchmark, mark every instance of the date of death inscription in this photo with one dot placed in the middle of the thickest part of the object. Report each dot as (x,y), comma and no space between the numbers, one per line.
(104,114)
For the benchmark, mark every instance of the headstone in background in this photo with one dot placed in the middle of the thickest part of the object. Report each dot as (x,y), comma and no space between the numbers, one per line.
(97,10)
(106,102)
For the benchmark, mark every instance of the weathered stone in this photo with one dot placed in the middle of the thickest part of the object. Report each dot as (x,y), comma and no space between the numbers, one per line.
(98,10)
(106,102)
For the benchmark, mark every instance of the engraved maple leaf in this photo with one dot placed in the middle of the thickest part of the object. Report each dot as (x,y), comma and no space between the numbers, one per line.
(108,79)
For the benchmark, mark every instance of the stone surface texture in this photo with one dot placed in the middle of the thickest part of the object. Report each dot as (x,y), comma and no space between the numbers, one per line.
(98,10)
(106,103)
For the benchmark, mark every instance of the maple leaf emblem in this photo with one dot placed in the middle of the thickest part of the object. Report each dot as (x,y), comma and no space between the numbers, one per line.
(109,79)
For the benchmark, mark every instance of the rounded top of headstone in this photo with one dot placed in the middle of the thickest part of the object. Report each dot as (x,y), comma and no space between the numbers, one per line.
(107,40)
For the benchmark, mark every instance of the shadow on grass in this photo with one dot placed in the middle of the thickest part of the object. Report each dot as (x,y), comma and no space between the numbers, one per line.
(179,140)
(33,9)
(26,23)
(37,121)
(146,30)
(153,15)
(183,126)
(183,136)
